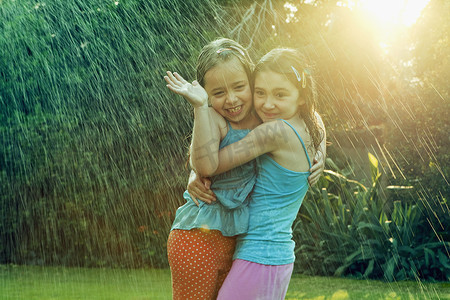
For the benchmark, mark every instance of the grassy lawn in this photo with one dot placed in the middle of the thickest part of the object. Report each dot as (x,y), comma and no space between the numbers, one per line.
(26,282)
(327,288)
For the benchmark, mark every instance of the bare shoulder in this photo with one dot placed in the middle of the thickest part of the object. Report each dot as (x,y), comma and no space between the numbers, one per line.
(291,129)
(275,131)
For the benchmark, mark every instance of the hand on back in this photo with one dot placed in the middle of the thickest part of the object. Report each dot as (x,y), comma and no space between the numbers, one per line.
(316,169)
(199,188)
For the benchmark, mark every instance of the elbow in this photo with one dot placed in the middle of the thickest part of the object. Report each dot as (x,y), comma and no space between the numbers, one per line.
(206,170)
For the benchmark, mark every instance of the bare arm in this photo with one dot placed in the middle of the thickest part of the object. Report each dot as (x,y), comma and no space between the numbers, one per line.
(206,131)
(319,159)
(205,140)
(265,138)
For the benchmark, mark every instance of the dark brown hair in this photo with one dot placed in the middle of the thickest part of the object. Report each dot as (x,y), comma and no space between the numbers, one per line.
(294,66)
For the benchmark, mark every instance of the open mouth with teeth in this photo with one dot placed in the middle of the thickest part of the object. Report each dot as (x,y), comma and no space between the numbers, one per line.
(235,110)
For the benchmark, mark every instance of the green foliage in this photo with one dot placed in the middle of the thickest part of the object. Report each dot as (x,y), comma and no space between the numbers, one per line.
(417,128)
(93,143)
(94,146)
(353,233)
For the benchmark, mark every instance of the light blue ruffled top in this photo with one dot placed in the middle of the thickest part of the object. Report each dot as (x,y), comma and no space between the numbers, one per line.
(229,213)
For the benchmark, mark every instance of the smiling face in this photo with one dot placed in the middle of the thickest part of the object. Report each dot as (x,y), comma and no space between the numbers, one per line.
(229,91)
(276,97)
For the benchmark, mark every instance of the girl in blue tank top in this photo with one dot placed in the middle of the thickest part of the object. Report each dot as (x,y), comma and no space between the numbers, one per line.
(284,97)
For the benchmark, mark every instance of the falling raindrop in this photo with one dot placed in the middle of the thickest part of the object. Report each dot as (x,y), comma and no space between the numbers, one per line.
(93,160)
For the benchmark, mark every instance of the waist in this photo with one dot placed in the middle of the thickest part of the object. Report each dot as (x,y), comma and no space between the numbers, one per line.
(211,216)
(267,252)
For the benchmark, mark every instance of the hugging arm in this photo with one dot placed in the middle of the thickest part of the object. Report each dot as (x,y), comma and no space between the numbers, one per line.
(263,139)
(319,159)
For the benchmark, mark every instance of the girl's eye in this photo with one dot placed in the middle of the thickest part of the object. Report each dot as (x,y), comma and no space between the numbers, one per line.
(240,87)
(281,95)
(259,93)
(218,94)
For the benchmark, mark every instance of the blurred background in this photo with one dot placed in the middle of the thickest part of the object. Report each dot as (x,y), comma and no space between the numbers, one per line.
(94,147)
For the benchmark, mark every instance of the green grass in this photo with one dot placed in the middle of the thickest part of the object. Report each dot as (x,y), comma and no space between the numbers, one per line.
(332,288)
(26,282)
(29,282)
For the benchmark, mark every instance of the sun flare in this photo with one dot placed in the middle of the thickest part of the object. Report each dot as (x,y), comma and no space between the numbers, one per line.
(402,12)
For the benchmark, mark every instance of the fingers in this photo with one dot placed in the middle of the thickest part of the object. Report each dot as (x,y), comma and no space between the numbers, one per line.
(175,79)
(205,197)
(199,190)
(173,84)
(179,78)
(206,182)
(172,80)
(312,180)
(314,168)
(318,166)
(197,194)
(316,171)
(174,89)
(204,193)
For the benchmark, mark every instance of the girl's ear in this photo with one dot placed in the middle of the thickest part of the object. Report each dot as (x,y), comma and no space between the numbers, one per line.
(301,101)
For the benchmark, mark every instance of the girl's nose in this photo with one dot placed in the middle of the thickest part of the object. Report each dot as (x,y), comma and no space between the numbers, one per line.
(268,104)
(231,98)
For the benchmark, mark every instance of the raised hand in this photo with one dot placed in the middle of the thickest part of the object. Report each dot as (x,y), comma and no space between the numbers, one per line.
(192,92)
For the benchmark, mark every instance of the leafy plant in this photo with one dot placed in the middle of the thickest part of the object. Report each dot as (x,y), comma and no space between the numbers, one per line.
(353,234)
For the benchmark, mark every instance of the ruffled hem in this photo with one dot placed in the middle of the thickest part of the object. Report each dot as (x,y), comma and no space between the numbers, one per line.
(213,217)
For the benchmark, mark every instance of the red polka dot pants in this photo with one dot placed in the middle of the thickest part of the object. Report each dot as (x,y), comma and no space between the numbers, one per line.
(199,262)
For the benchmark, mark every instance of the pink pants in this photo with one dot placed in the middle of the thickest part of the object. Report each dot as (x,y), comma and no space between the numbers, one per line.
(249,281)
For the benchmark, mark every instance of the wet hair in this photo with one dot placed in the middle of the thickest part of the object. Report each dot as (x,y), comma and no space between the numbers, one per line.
(294,65)
(219,51)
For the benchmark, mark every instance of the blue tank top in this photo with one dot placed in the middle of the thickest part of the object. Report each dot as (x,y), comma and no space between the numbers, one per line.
(275,202)
(230,213)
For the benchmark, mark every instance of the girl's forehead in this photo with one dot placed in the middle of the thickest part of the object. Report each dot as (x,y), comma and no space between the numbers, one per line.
(226,71)
(265,74)
(231,65)
(269,78)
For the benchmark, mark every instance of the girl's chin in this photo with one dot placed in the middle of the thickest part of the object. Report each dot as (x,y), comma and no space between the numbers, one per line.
(266,117)
(238,119)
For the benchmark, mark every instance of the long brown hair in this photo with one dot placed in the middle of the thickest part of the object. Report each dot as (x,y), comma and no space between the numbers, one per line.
(294,66)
